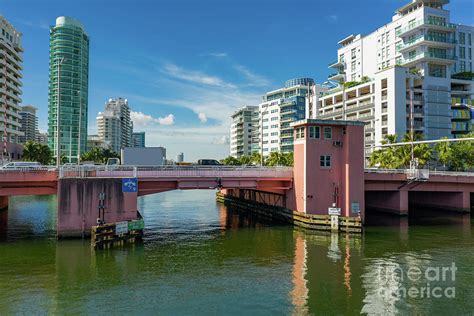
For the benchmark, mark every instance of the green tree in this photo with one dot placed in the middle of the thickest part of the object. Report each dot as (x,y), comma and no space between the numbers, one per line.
(245,160)
(98,155)
(256,158)
(279,159)
(457,156)
(33,151)
(386,157)
(396,157)
(230,161)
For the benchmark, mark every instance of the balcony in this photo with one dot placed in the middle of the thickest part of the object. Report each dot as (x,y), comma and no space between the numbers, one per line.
(337,76)
(439,41)
(462,102)
(337,64)
(428,56)
(429,23)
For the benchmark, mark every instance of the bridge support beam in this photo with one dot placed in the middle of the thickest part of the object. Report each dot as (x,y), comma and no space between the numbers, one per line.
(3,202)
(449,201)
(395,202)
(78,204)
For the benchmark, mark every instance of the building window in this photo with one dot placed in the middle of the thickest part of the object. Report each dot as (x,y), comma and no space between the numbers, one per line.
(353,66)
(314,132)
(327,133)
(353,53)
(469,39)
(300,133)
(437,71)
(325,161)
(462,38)
(462,52)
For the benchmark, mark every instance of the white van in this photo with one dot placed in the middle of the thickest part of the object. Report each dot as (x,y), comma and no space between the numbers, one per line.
(21,165)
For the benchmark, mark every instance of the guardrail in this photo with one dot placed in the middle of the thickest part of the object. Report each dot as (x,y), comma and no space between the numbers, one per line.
(421,173)
(29,169)
(174,171)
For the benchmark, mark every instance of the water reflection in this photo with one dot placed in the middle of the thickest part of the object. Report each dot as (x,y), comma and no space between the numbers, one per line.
(199,257)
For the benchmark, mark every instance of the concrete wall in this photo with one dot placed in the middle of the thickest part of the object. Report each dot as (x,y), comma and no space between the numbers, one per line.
(78,204)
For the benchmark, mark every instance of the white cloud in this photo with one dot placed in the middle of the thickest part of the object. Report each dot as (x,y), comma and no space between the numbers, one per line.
(198,77)
(217,54)
(254,79)
(141,119)
(167,120)
(332,18)
(202,117)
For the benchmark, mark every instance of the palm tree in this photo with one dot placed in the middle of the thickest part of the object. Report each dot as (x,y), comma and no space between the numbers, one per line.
(279,159)
(33,151)
(230,161)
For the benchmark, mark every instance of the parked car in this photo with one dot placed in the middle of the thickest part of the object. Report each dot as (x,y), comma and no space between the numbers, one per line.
(208,162)
(21,165)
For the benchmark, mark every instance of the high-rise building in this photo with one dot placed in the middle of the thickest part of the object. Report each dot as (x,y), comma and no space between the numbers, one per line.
(278,110)
(94,141)
(243,121)
(138,139)
(68,100)
(180,157)
(42,138)
(414,72)
(114,125)
(10,87)
(29,123)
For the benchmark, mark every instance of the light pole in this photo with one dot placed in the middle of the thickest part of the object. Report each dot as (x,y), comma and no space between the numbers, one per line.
(58,113)
(412,131)
(80,122)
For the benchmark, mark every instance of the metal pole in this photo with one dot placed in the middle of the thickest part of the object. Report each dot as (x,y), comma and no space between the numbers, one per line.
(5,136)
(58,118)
(80,122)
(412,131)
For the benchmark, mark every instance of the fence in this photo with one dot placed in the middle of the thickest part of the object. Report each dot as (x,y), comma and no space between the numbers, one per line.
(174,171)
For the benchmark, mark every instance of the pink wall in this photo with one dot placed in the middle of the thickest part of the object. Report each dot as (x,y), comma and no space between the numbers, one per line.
(345,175)
(78,204)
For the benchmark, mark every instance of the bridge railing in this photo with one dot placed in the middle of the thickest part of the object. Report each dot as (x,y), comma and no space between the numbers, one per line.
(174,171)
(420,173)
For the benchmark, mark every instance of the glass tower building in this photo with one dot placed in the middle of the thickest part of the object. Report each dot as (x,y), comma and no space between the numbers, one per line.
(68,88)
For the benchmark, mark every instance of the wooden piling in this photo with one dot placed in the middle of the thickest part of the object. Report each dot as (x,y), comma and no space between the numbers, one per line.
(284,215)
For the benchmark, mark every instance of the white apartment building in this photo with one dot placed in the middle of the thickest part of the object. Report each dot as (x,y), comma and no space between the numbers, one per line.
(419,58)
(10,83)
(243,121)
(278,110)
(114,125)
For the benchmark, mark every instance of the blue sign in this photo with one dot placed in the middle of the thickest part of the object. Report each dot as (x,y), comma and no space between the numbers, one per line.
(129,185)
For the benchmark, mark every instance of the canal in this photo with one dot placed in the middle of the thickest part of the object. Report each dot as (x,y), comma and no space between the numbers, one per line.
(198,257)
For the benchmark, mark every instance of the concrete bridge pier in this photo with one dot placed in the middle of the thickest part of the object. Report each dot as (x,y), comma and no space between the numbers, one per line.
(395,202)
(78,204)
(3,203)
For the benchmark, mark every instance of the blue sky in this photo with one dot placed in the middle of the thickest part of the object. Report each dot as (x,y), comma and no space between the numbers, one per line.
(186,65)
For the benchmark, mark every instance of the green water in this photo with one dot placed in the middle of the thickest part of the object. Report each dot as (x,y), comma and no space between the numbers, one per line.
(198,257)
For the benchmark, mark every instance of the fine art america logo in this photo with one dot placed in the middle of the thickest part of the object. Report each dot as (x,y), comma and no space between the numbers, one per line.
(415,282)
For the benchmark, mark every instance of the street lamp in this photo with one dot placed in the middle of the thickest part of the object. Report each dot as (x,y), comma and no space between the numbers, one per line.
(58,113)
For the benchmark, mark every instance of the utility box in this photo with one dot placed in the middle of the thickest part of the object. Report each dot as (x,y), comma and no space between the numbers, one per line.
(143,156)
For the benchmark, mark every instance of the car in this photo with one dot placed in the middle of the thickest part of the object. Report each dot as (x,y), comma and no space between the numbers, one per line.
(21,165)
(208,162)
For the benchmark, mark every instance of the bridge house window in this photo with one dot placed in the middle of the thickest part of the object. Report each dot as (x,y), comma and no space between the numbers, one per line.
(327,133)
(314,132)
(325,161)
(300,133)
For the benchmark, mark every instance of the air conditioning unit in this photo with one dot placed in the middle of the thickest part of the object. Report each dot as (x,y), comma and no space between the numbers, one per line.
(337,143)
